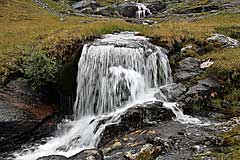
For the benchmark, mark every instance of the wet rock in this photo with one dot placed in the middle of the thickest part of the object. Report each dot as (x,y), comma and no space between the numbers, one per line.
(213,140)
(226,41)
(128,9)
(117,156)
(163,144)
(148,152)
(53,157)
(202,92)
(23,91)
(85,4)
(205,87)
(174,92)
(89,154)
(187,68)
(136,117)
(14,134)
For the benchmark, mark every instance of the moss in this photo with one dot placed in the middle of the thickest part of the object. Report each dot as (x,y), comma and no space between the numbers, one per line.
(231,147)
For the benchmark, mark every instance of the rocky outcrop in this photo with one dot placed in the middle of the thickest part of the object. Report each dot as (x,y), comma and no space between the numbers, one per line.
(156,7)
(187,68)
(136,117)
(85,4)
(224,40)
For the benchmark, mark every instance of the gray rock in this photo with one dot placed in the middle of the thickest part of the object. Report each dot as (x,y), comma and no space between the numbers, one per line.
(85,4)
(204,87)
(53,157)
(117,156)
(89,154)
(156,6)
(225,40)
(173,92)
(135,117)
(187,68)
(106,11)
(87,10)
(128,9)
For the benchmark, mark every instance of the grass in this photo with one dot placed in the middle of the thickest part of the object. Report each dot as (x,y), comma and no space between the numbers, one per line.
(25,26)
(230,150)
(60,6)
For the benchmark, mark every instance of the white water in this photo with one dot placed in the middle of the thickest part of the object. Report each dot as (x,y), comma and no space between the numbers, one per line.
(142,11)
(115,73)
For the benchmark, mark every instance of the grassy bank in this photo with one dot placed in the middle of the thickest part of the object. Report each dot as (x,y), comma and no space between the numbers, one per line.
(25,27)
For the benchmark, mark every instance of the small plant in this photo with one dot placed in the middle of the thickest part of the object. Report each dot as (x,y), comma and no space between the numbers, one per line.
(40,69)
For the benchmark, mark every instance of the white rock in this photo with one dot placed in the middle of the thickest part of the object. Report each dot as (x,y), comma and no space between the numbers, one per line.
(206,64)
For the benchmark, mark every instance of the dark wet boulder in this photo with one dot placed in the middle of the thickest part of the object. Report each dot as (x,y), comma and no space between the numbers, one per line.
(206,87)
(128,9)
(85,4)
(137,117)
(53,157)
(201,93)
(173,92)
(156,6)
(187,68)
(89,154)
(225,40)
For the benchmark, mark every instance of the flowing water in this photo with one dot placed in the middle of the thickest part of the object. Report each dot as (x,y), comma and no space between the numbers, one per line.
(114,74)
(143,11)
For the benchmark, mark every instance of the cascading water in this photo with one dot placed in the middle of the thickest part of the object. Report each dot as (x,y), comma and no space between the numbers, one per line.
(115,69)
(114,74)
(143,11)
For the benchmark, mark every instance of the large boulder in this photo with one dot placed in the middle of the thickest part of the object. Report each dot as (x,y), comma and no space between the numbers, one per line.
(174,92)
(206,87)
(89,154)
(136,117)
(187,68)
(128,10)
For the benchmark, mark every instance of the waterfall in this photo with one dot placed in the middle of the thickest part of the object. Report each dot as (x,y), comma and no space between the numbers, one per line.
(143,11)
(116,69)
(114,74)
